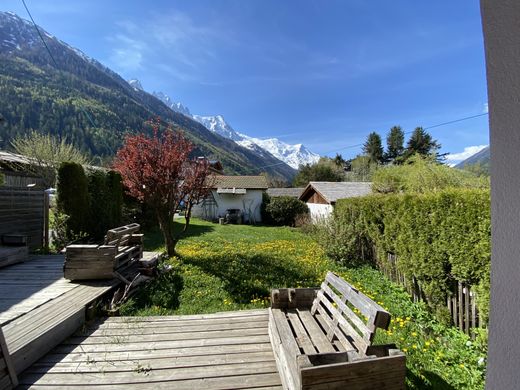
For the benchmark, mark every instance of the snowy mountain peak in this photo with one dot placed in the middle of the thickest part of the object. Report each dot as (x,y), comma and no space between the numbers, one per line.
(293,155)
(174,106)
(136,84)
(217,124)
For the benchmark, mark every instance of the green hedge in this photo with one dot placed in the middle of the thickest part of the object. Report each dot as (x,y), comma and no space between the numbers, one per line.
(106,201)
(73,197)
(93,200)
(439,238)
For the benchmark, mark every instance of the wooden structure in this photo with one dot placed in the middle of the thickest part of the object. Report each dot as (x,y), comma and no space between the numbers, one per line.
(23,214)
(322,340)
(8,379)
(228,350)
(461,301)
(121,251)
(39,308)
(13,254)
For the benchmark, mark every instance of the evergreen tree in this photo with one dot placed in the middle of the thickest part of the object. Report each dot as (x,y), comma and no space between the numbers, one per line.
(373,147)
(394,144)
(422,143)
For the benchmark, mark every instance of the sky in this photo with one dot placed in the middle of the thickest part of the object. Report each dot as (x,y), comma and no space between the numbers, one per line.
(324,73)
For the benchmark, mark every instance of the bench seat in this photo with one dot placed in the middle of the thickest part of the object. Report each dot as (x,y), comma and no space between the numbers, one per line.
(323,339)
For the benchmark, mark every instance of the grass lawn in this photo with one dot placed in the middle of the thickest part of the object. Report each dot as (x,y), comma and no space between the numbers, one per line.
(233,267)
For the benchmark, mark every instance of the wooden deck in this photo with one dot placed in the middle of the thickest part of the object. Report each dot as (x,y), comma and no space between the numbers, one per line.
(217,351)
(39,308)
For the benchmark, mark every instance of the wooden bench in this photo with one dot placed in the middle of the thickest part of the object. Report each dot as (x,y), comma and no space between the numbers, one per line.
(322,339)
(121,250)
(8,379)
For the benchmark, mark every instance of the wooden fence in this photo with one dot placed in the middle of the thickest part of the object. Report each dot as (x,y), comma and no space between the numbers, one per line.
(22,211)
(461,303)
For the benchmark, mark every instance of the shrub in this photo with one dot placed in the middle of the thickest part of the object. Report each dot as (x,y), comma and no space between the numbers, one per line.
(106,199)
(423,175)
(1,179)
(439,238)
(283,210)
(73,197)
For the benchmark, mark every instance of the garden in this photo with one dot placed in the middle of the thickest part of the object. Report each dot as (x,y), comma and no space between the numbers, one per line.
(233,267)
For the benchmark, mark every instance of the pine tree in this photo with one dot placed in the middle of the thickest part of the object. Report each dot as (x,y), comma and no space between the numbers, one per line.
(373,147)
(394,144)
(422,143)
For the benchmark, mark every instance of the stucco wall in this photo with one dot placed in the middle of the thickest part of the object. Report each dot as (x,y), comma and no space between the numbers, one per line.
(249,204)
(319,211)
(501,25)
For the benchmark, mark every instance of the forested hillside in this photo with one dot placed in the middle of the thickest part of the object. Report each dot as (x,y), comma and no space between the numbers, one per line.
(78,98)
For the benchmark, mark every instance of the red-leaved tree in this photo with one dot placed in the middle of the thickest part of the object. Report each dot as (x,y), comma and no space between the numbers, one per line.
(158,170)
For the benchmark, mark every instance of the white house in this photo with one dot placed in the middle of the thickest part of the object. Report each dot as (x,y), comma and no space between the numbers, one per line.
(233,192)
(321,196)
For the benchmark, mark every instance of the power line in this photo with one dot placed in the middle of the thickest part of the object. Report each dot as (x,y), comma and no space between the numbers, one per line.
(52,57)
(408,132)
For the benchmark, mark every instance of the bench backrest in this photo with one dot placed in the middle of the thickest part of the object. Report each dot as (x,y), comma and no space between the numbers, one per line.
(348,314)
(119,236)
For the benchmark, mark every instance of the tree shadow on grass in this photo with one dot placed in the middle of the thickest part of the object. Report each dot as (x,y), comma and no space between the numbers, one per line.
(163,292)
(432,382)
(253,276)
(154,240)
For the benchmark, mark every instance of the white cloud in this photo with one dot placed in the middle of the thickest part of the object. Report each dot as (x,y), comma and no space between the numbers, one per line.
(468,152)
(127,53)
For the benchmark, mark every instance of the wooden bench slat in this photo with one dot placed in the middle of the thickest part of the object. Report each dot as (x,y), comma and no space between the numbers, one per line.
(347,311)
(376,314)
(301,335)
(316,334)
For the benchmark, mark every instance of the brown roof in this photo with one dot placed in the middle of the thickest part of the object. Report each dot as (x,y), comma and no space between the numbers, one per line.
(332,191)
(248,182)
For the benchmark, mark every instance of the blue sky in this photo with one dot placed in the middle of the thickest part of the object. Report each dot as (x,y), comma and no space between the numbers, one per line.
(319,72)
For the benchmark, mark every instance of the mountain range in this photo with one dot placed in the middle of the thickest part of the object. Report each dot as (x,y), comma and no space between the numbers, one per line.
(75,97)
(293,155)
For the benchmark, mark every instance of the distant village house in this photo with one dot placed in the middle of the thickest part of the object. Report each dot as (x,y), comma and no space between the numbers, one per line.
(242,193)
(321,196)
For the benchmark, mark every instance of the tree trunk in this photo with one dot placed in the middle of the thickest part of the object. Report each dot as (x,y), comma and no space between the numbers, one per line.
(187,216)
(165,219)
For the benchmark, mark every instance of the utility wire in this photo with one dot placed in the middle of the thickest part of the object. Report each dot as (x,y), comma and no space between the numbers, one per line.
(52,57)
(408,132)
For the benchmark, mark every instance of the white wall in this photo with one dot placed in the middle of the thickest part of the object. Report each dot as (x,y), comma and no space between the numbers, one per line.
(500,20)
(319,211)
(250,202)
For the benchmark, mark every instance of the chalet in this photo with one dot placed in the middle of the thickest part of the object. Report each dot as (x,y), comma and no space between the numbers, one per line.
(243,193)
(277,192)
(321,196)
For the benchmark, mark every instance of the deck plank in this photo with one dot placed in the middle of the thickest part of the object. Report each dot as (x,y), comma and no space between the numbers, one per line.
(213,352)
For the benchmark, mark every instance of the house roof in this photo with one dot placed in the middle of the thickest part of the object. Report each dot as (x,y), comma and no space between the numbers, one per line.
(332,191)
(275,192)
(247,182)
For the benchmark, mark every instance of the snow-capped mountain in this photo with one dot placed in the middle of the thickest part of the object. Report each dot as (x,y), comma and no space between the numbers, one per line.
(293,155)
(175,106)
(136,84)
(218,125)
